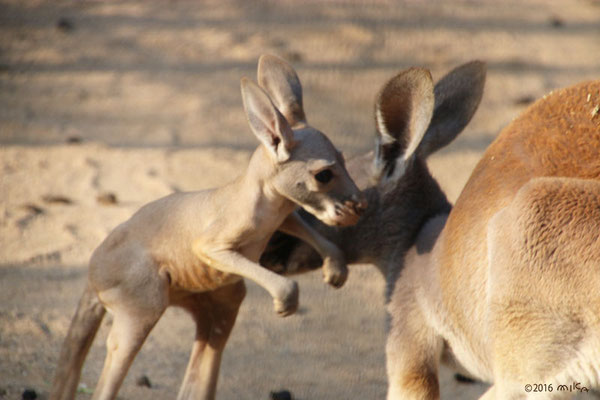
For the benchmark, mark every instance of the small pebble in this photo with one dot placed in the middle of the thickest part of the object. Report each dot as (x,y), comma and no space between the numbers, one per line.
(144,381)
(64,25)
(74,139)
(281,395)
(556,22)
(33,209)
(107,198)
(29,394)
(52,199)
(524,100)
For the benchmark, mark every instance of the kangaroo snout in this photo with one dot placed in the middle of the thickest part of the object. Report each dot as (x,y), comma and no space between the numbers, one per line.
(358,204)
(349,212)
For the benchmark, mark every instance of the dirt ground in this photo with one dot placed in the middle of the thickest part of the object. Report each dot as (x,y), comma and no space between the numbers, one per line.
(107,105)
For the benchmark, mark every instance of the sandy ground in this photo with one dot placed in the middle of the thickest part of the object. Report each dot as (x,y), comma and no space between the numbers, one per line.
(107,105)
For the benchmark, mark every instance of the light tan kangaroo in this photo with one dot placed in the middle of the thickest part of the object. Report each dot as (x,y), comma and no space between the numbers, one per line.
(413,119)
(192,249)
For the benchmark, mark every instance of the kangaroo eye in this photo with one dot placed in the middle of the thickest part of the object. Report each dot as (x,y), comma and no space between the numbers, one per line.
(324,176)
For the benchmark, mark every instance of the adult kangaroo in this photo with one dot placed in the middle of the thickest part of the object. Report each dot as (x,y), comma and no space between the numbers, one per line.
(509,288)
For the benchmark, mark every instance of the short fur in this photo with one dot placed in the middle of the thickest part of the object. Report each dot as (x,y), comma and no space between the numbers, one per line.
(518,259)
(192,249)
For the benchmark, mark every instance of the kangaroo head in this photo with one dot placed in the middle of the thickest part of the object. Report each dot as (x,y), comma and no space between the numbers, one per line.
(304,165)
(415,119)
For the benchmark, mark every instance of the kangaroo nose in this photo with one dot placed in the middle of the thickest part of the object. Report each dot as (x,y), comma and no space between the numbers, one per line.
(360,204)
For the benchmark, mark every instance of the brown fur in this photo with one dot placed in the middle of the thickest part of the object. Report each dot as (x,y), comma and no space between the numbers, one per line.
(518,259)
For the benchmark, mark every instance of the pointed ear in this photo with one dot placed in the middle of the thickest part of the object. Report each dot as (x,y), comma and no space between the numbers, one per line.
(281,82)
(267,123)
(402,112)
(457,96)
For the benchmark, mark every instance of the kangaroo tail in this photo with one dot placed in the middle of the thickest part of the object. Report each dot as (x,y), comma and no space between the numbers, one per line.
(79,339)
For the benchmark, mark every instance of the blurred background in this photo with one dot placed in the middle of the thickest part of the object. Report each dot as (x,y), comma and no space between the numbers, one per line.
(166,73)
(107,105)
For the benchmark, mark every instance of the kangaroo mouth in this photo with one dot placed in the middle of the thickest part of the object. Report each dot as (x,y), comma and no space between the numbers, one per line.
(345,214)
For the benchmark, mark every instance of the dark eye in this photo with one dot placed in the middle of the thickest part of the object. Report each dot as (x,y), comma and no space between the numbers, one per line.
(324,176)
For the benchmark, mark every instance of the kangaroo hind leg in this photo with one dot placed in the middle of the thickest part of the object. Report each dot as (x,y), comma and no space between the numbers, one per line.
(136,304)
(214,314)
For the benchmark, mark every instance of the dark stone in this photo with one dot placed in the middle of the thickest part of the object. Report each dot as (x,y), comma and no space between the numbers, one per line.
(65,25)
(144,381)
(33,209)
(57,199)
(74,140)
(524,100)
(556,22)
(107,198)
(29,394)
(281,395)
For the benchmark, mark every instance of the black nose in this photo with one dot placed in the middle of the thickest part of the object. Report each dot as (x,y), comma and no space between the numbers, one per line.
(358,204)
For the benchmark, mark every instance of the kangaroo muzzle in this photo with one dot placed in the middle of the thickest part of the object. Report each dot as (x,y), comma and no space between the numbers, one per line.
(350,211)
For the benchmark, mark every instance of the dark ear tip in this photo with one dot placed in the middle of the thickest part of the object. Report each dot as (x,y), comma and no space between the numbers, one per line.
(481,63)
(482,67)
(478,67)
(479,74)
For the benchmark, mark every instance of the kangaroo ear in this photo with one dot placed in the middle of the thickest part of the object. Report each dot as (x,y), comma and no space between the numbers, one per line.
(457,96)
(267,123)
(281,82)
(402,112)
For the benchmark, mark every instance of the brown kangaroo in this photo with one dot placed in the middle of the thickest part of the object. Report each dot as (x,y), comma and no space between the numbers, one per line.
(192,249)
(509,289)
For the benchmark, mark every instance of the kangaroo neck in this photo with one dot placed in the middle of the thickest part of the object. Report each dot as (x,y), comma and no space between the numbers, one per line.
(255,189)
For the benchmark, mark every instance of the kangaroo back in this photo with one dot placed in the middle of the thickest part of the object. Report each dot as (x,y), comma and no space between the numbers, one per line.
(558,136)
(509,268)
